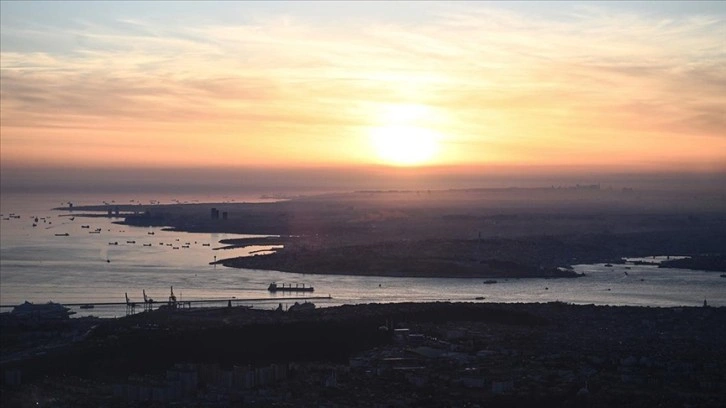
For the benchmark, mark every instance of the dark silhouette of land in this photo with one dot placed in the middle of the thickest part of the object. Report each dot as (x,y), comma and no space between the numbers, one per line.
(716,263)
(456,233)
(409,354)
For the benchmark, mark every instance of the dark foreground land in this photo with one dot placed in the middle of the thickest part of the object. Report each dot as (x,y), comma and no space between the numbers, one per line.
(377,355)
(457,233)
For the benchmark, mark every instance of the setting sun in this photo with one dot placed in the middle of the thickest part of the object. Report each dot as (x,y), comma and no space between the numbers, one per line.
(404,136)
(404,145)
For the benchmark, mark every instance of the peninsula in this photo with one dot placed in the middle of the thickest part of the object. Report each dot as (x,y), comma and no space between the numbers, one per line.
(511,232)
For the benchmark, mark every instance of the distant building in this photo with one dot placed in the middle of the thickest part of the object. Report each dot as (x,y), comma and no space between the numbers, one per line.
(302,307)
(47,311)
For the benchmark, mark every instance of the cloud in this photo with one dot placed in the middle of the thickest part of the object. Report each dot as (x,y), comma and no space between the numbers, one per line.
(518,86)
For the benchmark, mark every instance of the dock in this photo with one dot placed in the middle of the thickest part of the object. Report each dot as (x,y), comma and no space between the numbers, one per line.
(193,301)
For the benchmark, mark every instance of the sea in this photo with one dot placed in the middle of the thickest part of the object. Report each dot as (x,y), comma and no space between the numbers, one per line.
(67,258)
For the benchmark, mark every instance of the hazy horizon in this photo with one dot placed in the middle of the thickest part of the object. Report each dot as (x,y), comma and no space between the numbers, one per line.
(341,179)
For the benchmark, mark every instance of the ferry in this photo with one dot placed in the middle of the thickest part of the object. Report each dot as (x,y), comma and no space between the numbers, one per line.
(274,287)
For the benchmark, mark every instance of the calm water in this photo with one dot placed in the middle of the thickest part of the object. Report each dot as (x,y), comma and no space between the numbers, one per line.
(38,266)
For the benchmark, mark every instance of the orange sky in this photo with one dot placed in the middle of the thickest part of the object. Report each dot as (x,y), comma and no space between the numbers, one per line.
(466,84)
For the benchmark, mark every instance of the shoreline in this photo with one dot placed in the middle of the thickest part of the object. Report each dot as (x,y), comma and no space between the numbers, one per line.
(439,234)
(366,260)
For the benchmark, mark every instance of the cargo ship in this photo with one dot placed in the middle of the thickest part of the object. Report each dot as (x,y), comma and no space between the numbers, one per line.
(274,287)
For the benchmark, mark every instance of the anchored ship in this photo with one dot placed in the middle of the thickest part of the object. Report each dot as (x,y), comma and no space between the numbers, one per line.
(274,287)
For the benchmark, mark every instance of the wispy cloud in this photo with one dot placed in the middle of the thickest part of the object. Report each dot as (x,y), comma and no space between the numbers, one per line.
(588,87)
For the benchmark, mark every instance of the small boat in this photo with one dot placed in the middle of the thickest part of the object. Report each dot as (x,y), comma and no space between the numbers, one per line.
(489,282)
(130,242)
(94,232)
(147,244)
(205,244)
(65,234)
(609,265)
(85,226)
(723,275)
(88,306)
(150,233)
(274,287)
(113,243)
(479,298)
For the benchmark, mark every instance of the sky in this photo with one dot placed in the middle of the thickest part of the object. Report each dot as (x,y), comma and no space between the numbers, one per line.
(484,86)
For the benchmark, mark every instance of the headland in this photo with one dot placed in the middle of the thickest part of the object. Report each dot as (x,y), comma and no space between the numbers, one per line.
(497,233)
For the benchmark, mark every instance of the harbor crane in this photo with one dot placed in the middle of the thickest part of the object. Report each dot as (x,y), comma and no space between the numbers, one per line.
(172,298)
(148,302)
(130,306)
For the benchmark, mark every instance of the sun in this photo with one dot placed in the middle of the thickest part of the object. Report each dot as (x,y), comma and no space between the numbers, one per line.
(404,145)
(404,136)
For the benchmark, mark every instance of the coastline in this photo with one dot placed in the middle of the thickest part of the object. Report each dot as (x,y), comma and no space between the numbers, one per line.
(393,259)
(440,234)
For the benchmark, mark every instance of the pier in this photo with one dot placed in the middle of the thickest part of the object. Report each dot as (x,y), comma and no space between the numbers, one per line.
(149,303)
